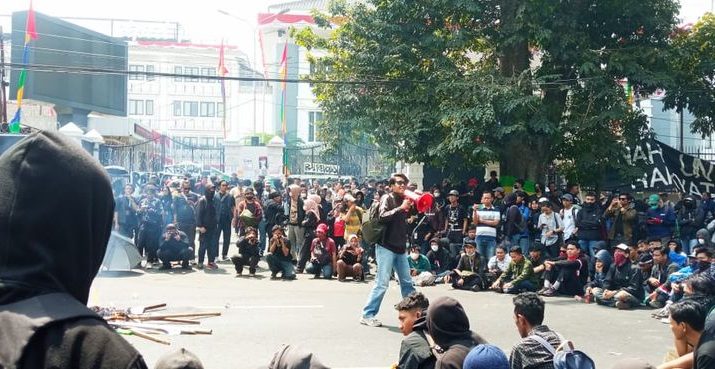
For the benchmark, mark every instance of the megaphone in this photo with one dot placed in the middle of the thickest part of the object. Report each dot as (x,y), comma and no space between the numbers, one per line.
(423,202)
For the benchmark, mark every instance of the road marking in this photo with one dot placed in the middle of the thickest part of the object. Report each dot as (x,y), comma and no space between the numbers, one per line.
(253,307)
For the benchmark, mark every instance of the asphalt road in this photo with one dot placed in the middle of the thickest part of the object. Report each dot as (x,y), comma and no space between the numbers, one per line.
(258,315)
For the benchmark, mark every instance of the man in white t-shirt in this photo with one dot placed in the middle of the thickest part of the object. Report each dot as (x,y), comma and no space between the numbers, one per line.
(568,215)
(486,218)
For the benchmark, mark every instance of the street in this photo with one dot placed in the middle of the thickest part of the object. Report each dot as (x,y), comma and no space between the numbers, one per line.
(258,315)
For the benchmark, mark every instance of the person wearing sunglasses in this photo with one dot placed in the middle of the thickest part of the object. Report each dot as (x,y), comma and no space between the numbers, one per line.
(623,215)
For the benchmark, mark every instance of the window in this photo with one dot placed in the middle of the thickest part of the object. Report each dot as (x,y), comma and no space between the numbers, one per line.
(208,72)
(313,118)
(136,107)
(177,71)
(207,109)
(150,69)
(192,71)
(177,109)
(136,68)
(219,142)
(191,108)
(149,109)
(207,141)
(219,110)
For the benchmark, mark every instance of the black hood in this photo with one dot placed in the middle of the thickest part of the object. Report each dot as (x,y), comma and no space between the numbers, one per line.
(292,357)
(447,322)
(56,211)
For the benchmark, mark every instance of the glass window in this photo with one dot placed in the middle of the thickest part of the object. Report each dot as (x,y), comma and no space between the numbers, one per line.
(192,71)
(177,71)
(136,107)
(177,109)
(149,110)
(136,68)
(207,109)
(150,69)
(208,72)
(219,110)
(313,118)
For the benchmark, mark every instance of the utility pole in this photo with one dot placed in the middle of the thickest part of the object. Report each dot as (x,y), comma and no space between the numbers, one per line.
(682,132)
(3,97)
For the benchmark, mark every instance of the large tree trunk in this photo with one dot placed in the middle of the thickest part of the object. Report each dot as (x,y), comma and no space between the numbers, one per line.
(525,157)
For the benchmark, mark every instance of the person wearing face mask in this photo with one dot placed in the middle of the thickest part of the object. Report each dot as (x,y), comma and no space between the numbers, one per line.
(439,257)
(311,206)
(248,253)
(349,262)
(623,287)
(184,204)
(588,225)
(207,223)
(150,225)
(660,219)
(689,220)
(323,255)
(420,268)
(468,275)
(248,212)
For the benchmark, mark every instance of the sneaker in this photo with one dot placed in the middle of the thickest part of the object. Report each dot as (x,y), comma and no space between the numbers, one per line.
(620,305)
(185,265)
(251,274)
(212,266)
(225,258)
(200,266)
(370,322)
(274,275)
(549,292)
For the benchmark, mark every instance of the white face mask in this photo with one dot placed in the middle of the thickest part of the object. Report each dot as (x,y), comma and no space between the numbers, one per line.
(415,255)
(471,253)
(701,241)
(436,194)
(434,248)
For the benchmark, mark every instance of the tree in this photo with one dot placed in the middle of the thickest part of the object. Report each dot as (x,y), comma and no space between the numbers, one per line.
(463,82)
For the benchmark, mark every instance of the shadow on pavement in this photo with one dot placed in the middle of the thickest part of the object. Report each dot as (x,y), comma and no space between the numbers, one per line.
(119,274)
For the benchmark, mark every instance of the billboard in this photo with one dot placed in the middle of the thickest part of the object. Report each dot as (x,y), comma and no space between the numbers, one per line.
(73,50)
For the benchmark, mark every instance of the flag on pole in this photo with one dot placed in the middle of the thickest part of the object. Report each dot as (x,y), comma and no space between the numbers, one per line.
(223,72)
(284,127)
(30,34)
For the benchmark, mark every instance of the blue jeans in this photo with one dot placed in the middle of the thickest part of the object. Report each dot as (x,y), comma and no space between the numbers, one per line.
(522,241)
(386,262)
(486,247)
(588,246)
(315,268)
(688,244)
(520,287)
(277,265)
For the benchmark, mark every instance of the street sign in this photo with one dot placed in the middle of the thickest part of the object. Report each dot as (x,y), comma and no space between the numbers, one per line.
(320,168)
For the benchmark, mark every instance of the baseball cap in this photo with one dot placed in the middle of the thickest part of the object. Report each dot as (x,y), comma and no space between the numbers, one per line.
(567,197)
(622,246)
(645,259)
(453,193)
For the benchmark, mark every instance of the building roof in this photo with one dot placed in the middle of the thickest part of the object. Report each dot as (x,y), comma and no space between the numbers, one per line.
(299,5)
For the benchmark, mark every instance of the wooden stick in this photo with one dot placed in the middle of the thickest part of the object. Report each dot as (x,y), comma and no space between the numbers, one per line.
(176,320)
(154,307)
(149,337)
(186,315)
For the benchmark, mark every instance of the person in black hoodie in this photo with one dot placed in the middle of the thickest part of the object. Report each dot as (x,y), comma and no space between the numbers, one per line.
(623,287)
(247,253)
(690,219)
(207,223)
(273,214)
(49,255)
(448,325)
(439,257)
(588,222)
(174,247)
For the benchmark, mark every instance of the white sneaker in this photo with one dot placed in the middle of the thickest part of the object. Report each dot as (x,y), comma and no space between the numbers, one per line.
(370,322)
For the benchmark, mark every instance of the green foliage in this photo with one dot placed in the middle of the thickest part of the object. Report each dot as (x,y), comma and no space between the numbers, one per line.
(463,82)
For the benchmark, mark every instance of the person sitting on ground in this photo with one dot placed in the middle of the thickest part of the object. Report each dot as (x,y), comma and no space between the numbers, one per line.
(602,265)
(468,275)
(279,257)
(537,262)
(420,267)
(415,350)
(174,247)
(294,357)
(53,244)
(500,261)
(566,275)
(531,352)
(623,285)
(248,253)
(323,256)
(448,325)
(519,275)
(486,356)
(439,258)
(349,262)
(687,322)
(662,269)
(470,238)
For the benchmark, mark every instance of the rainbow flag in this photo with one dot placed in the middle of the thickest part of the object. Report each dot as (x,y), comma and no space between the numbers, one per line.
(284,127)
(30,34)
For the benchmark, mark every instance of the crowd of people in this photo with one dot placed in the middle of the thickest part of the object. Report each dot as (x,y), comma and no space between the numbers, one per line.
(595,249)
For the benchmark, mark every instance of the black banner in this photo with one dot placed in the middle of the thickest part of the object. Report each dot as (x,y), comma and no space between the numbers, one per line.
(667,169)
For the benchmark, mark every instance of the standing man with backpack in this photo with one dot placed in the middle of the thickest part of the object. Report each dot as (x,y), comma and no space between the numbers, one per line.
(390,250)
(588,226)
(515,229)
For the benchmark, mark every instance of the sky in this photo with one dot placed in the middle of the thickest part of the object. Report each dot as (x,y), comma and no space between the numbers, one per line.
(204,23)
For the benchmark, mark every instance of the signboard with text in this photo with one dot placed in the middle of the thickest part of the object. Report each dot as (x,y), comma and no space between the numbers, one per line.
(320,168)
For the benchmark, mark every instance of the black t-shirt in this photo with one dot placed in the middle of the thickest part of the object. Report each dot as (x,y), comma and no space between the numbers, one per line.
(455,216)
(704,356)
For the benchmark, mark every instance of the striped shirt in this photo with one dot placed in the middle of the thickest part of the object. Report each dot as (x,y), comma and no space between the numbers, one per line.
(487,214)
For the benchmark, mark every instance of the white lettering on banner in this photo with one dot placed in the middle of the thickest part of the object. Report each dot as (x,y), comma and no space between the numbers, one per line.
(319,168)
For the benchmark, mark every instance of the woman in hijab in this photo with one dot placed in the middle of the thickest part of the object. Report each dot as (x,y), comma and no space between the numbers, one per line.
(312,218)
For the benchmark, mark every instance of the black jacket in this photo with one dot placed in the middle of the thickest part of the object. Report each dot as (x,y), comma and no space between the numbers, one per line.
(588,222)
(207,212)
(395,238)
(245,248)
(628,278)
(48,247)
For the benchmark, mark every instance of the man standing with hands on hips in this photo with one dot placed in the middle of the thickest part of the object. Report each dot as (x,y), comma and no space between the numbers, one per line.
(391,251)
